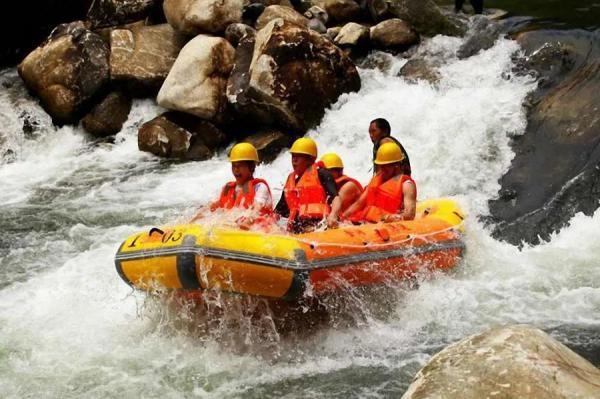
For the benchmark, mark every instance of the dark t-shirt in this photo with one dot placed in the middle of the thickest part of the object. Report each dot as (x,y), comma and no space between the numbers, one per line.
(328,183)
(405,163)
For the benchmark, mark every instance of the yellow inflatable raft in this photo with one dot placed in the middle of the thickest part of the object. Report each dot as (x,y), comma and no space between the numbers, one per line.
(193,257)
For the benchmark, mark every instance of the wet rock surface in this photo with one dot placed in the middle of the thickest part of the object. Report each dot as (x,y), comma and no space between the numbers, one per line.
(117,12)
(393,34)
(556,170)
(425,16)
(67,70)
(202,16)
(107,117)
(269,143)
(506,362)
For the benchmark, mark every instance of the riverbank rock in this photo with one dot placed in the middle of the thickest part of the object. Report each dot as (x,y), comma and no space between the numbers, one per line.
(556,169)
(269,143)
(393,34)
(104,13)
(289,76)
(285,13)
(202,16)
(197,82)
(141,58)
(339,11)
(425,17)
(180,136)
(67,71)
(507,362)
(235,32)
(353,35)
(419,69)
(482,35)
(107,117)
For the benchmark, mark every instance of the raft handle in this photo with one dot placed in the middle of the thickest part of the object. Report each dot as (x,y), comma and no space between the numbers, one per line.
(155,230)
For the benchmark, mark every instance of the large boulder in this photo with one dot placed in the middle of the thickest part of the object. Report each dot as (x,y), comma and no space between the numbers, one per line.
(198,79)
(393,34)
(269,143)
(107,117)
(507,362)
(180,136)
(482,35)
(141,58)
(419,69)
(286,13)
(425,16)
(556,170)
(289,76)
(67,70)
(202,16)
(235,32)
(339,10)
(118,12)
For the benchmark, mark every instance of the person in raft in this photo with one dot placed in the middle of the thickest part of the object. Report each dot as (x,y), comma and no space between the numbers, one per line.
(309,192)
(380,132)
(391,195)
(246,191)
(349,189)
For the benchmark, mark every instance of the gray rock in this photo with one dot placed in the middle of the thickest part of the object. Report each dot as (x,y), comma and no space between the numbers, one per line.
(235,32)
(482,35)
(419,69)
(352,35)
(506,362)
(318,13)
(67,70)
(556,170)
(142,57)
(180,136)
(108,116)
(333,32)
(425,16)
(317,26)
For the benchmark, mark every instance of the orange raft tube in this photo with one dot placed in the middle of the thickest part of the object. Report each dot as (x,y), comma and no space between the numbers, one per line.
(194,257)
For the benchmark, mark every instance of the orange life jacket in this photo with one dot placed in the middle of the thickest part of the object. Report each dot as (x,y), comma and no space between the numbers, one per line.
(306,199)
(340,182)
(384,198)
(244,199)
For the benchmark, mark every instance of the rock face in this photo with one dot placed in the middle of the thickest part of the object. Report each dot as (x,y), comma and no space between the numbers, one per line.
(141,58)
(108,116)
(339,10)
(202,16)
(285,13)
(67,70)
(482,35)
(180,136)
(426,18)
(198,79)
(556,170)
(289,76)
(269,143)
(393,34)
(508,362)
(117,12)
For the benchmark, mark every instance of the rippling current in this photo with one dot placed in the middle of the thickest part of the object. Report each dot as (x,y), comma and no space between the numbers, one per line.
(69,327)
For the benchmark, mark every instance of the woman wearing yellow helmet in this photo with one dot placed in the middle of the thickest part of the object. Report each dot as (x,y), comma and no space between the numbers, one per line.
(391,195)
(349,189)
(245,191)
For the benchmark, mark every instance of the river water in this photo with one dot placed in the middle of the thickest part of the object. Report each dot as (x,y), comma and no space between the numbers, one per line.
(69,327)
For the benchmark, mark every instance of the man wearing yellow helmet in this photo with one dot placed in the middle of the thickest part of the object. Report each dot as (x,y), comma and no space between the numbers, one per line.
(380,132)
(391,195)
(245,191)
(309,191)
(349,189)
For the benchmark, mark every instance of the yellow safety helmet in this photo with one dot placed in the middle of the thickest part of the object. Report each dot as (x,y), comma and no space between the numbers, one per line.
(243,152)
(332,161)
(389,153)
(304,145)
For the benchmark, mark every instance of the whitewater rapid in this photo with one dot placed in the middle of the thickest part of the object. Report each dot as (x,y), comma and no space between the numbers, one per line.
(69,327)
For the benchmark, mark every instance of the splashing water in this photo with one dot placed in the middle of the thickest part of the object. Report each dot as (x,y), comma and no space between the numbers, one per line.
(69,327)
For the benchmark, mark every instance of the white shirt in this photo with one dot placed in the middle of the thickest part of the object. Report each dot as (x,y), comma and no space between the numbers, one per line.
(262,197)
